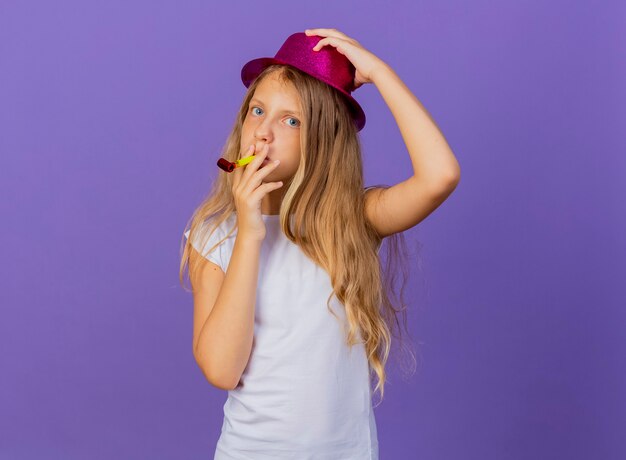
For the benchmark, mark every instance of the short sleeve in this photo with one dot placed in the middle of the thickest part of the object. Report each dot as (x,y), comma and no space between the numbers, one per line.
(217,255)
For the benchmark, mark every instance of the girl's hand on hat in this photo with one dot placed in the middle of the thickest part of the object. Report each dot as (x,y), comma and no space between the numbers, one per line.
(248,191)
(363,60)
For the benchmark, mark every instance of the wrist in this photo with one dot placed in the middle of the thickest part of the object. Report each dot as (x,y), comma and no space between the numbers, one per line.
(249,239)
(379,72)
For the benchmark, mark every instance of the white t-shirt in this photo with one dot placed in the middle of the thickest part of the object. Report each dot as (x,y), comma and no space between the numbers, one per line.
(304,394)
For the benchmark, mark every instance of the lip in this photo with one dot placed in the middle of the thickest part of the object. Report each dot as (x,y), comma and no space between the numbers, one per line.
(258,149)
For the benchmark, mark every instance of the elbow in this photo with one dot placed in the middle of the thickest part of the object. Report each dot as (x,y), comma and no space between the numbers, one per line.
(444,184)
(445,180)
(452,179)
(217,379)
(222,385)
(454,175)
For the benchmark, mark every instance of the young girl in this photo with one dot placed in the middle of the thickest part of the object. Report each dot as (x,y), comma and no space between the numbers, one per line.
(290,313)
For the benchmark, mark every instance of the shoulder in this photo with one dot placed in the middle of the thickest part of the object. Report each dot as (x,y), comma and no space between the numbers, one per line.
(371,197)
(212,240)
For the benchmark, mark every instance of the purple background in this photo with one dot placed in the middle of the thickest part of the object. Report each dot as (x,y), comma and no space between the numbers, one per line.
(112,115)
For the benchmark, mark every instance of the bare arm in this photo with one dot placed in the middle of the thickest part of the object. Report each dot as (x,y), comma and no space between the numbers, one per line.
(436,172)
(224,342)
(431,156)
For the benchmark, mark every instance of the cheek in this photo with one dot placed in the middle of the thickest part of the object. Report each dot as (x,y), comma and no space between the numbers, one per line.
(294,162)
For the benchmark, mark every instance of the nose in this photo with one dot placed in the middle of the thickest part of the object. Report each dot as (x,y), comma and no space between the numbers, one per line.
(262,133)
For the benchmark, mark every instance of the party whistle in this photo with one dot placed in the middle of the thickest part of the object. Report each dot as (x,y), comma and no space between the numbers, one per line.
(227,166)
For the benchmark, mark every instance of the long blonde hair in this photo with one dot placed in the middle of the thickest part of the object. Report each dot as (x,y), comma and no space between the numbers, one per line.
(325,198)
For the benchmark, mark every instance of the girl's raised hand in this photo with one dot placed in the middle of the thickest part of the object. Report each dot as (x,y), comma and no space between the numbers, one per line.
(248,191)
(364,61)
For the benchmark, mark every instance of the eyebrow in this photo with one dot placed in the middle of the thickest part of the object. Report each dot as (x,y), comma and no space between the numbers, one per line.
(283,111)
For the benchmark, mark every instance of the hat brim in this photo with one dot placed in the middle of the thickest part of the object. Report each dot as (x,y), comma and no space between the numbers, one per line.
(253,69)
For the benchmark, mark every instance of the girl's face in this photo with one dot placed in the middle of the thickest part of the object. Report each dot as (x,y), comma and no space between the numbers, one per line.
(273,118)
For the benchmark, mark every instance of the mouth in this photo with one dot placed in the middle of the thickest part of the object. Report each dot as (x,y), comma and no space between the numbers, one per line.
(258,149)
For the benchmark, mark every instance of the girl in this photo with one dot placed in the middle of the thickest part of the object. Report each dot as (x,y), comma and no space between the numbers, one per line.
(290,313)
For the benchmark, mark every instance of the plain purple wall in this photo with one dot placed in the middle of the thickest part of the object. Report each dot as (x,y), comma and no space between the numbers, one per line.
(112,115)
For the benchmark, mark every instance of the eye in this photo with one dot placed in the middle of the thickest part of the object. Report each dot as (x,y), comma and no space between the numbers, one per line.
(291,118)
(297,121)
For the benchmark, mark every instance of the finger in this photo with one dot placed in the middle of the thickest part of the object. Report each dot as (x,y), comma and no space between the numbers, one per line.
(326,33)
(236,174)
(264,188)
(333,41)
(257,179)
(331,33)
(319,45)
(252,167)
(265,170)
